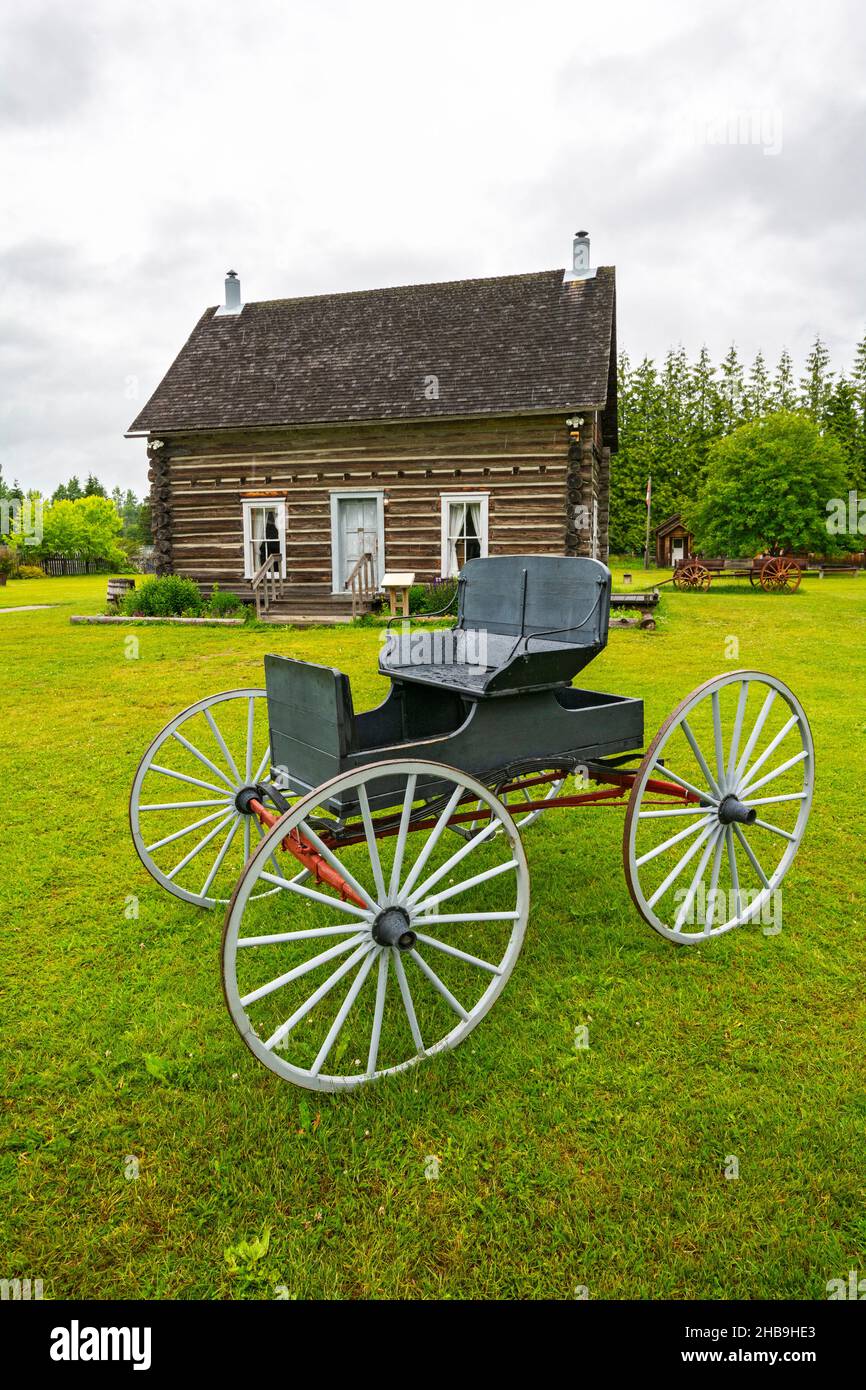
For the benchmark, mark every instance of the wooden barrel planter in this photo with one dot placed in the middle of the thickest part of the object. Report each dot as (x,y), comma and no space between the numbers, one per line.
(118,588)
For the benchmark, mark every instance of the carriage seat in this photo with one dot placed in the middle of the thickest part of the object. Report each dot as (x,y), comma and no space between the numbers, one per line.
(524,622)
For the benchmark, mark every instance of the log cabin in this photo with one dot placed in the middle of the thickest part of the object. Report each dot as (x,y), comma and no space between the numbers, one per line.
(298,448)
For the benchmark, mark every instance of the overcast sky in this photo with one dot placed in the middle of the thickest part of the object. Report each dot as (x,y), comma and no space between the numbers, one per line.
(715,152)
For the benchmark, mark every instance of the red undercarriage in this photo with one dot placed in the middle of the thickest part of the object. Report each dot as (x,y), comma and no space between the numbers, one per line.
(620,783)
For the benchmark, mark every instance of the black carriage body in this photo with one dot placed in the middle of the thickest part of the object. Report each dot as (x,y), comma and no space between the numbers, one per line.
(488,697)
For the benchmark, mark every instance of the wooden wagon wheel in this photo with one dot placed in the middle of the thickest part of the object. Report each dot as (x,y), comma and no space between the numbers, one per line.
(723,867)
(185,809)
(422,937)
(780,575)
(692,576)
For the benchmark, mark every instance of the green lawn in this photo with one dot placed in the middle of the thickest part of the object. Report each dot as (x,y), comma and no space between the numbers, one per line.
(602,1167)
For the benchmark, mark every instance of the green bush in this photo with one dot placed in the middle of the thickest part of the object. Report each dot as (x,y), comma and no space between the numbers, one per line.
(431,598)
(222,605)
(168,596)
(30,572)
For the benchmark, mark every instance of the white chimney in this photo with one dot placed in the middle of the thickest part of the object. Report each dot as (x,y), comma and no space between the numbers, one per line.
(233,303)
(580,268)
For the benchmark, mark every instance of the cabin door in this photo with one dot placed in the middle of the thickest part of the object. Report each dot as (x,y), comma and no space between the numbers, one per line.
(357,529)
(678,549)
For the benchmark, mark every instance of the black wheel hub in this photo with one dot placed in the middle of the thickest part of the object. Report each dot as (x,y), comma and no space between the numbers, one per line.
(391,928)
(732,810)
(246,795)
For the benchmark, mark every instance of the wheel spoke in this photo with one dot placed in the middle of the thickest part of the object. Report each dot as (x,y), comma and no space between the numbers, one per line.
(285,1028)
(738,729)
(459,955)
(200,846)
(468,917)
(309,834)
(686,905)
(304,969)
(271,858)
(372,847)
(432,840)
(674,840)
(219,859)
(233,767)
(717,739)
(222,801)
(187,830)
(680,865)
(749,776)
(732,861)
(439,986)
(765,825)
(378,1013)
(396,867)
(279,938)
(406,995)
(456,858)
(754,735)
(313,895)
(705,795)
(701,760)
(467,883)
(772,800)
(674,811)
(266,758)
(334,1030)
(709,914)
(751,855)
(184,777)
(251,718)
(202,757)
(777,772)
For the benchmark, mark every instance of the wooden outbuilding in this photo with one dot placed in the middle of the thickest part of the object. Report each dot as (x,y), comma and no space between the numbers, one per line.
(418,427)
(674,542)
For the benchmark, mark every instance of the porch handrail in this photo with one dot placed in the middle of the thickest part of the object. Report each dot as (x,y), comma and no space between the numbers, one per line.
(267,582)
(362,582)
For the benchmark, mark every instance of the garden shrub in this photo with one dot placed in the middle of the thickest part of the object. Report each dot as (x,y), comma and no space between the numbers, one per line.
(222,605)
(30,572)
(169,596)
(431,598)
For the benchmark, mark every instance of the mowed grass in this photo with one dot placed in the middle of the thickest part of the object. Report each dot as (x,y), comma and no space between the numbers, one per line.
(557,1166)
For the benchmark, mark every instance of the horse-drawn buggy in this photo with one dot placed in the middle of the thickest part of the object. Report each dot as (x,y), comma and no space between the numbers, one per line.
(371,865)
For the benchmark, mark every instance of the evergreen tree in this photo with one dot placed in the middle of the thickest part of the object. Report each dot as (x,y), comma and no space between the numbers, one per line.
(731,389)
(842,421)
(93,487)
(758,389)
(784,392)
(816,383)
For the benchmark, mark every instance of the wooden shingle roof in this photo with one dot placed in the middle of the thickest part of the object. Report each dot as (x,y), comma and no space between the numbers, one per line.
(499,346)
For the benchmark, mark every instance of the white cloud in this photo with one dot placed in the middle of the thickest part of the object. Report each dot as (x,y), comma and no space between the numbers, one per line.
(327,146)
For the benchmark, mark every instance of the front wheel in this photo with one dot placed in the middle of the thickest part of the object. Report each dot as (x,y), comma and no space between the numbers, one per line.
(719,807)
(416,940)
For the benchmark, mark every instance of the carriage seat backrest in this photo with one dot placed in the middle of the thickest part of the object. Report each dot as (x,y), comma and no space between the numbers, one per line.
(564,597)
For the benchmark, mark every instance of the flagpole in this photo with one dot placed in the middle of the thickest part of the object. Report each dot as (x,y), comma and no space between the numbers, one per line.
(648,511)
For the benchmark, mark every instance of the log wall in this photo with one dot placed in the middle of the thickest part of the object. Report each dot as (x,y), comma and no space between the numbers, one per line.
(534,469)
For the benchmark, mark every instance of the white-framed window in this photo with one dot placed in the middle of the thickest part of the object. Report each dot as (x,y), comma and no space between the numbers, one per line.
(464,529)
(264,532)
(357,528)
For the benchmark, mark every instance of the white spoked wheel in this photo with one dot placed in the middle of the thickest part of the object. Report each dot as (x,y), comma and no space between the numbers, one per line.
(185,809)
(719,807)
(419,937)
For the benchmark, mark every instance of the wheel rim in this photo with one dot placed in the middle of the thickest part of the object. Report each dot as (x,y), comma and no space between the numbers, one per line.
(315,991)
(738,741)
(186,826)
